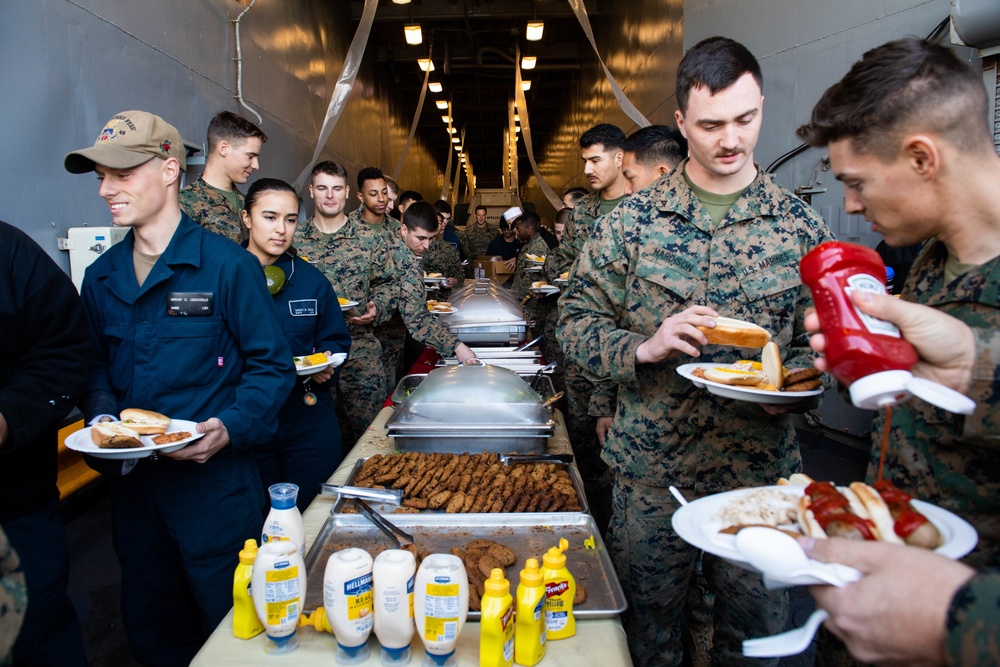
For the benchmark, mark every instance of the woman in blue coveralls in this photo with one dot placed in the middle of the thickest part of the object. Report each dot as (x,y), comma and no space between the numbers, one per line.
(306,447)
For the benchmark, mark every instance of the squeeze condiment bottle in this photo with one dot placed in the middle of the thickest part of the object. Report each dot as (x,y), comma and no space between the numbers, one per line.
(440,605)
(863,352)
(394,574)
(496,625)
(529,631)
(560,589)
(347,597)
(279,585)
(284,522)
(245,621)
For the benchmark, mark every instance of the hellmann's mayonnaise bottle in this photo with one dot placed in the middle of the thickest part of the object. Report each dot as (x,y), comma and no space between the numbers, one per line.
(529,632)
(560,589)
(496,626)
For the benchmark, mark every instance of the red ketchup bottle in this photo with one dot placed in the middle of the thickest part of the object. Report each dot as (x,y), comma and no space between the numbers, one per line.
(865,353)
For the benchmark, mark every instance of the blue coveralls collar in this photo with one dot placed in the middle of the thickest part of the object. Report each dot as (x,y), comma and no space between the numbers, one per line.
(118,275)
(671,194)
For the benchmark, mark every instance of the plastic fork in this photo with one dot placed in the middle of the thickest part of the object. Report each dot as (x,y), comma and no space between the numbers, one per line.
(788,643)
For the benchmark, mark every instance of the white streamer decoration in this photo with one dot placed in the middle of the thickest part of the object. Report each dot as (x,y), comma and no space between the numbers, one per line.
(352,62)
(623,101)
(522,110)
(416,119)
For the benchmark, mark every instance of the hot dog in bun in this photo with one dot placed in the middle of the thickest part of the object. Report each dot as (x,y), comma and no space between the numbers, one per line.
(728,331)
(113,435)
(144,422)
(896,519)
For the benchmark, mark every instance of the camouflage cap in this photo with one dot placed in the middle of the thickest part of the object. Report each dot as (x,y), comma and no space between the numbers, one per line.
(129,139)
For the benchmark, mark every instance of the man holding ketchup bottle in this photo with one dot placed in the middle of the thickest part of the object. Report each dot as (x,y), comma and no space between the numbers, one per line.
(908,135)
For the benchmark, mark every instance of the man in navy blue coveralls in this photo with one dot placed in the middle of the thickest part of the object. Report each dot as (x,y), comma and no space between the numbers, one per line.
(182,324)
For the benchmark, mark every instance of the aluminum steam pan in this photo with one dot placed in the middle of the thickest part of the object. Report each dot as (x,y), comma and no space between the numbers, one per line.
(528,535)
(340,503)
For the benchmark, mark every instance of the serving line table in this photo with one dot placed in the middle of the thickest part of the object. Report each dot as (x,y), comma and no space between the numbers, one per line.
(597,641)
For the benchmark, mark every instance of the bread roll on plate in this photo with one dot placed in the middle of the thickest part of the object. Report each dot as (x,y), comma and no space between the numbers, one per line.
(144,422)
(112,435)
(737,333)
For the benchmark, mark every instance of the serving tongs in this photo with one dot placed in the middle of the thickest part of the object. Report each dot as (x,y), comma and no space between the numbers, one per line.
(387,496)
(547,368)
(512,459)
(524,347)
(391,530)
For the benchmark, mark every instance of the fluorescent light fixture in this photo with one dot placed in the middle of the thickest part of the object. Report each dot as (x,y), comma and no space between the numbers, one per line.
(425,64)
(517,128)
(517,118)
(534,32)
(525,85)
(434,87)
(445,119)
(452,130)
(400,2)
(442,104)
(413,34)
(456,140)
(527,62)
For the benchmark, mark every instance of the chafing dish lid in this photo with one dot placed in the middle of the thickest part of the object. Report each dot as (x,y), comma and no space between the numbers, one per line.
(478,384)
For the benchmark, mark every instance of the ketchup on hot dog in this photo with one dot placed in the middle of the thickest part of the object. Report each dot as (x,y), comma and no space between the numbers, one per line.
(829,506)
(906,520)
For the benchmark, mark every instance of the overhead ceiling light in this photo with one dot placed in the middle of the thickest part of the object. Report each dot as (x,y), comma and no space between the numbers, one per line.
(517,118)
(517,128)
(442,104)
(425,64)
(452,130)
(434,87)
(534,32)
(525,85)
(527,62)
(413,34)
(400,2)
(445,119)
(456,140)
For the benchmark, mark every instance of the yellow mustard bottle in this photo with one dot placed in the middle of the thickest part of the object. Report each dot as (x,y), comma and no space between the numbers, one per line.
(245,621)
(529,623)
(496,626)
(560,589)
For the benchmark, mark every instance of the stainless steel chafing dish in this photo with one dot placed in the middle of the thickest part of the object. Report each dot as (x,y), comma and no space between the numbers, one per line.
(471,409)
(486,313)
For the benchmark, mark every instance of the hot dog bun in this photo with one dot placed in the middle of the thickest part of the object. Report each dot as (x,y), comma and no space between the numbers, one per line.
(733,376)
(112,435)
(144,422)
(877,510)
(848,519)
(897,520)
(770,359)
(738,333)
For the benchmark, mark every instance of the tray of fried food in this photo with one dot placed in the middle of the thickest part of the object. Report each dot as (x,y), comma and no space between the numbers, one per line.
(483,543)
(468,484)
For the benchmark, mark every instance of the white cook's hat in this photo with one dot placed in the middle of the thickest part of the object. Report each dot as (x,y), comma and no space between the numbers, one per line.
(512,213)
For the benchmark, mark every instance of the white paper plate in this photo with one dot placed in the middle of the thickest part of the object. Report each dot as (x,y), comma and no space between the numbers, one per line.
(561,280)
(548,289)
(348,305)
(697,525)
(81,441)
(443,312)
(435,281)
(533,269)
(334,361)
(743,393)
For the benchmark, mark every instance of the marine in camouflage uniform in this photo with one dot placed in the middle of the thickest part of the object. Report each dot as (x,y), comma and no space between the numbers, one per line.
(358,264)
(523,279)
(213,211)
(441,257)
(973,625)
(581,419)
(391,331)
(475,239)
(424,326)
(655,255)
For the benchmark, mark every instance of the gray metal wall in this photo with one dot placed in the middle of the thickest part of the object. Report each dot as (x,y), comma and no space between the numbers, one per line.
(66,66)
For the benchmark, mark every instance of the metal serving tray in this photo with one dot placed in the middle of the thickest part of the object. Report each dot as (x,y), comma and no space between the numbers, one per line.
(528,535)
(338,506)
(410,382)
